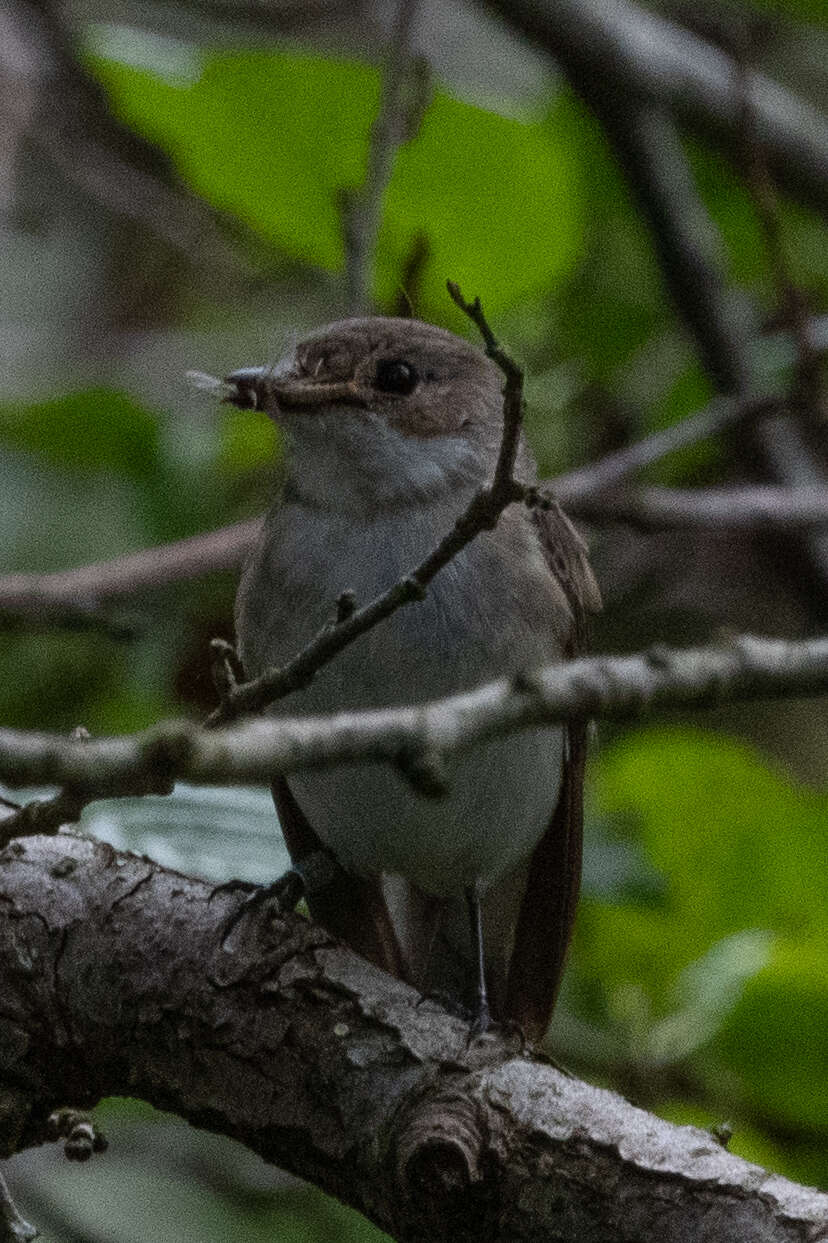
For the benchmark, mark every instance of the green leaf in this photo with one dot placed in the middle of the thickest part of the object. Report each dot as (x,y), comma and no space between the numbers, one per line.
(275,137)
(96,429)
(271,137)
(775,1038)
(707,991)
(498,200)
(739,845)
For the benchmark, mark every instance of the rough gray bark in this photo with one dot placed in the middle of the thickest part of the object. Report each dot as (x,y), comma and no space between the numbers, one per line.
(116,980)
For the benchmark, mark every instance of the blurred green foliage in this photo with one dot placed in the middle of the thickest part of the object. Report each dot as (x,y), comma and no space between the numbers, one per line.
(720,971)
(698,980)
(276,138)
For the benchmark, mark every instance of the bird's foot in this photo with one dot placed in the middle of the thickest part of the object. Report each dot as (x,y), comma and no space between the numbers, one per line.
(446,1001)
(303,878)
(482,1021)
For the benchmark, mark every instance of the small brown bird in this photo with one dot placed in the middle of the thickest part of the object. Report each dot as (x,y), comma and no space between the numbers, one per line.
(390,426)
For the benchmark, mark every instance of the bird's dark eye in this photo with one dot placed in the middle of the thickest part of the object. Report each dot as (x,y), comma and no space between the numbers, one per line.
(394,375)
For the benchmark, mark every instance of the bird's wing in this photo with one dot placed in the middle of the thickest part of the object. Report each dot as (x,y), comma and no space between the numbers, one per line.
(567,556)
(547,910)
(352,908)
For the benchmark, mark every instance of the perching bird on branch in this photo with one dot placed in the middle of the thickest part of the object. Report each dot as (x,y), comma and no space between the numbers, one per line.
(390,428)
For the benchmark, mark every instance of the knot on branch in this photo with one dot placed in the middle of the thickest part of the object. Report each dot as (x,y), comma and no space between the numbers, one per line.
(535,498)
(438,1152)
(345,606)
(166,752)
(424,768)
(413,589)
(225,668)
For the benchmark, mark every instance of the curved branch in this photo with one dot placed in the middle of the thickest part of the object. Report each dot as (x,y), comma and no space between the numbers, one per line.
(128,575)
(325,1066)
(226,548)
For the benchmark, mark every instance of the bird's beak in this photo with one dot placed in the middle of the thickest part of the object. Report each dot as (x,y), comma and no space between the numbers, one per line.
(261,388)
(245,385)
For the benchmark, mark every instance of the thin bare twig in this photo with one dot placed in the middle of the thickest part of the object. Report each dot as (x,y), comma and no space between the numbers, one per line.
(224,666)
(503,482)
(396,122)
(77,617)
(481,514)
(43,816)
(48,816)
(126,576)
(618,688)
(408,296)
(721,415)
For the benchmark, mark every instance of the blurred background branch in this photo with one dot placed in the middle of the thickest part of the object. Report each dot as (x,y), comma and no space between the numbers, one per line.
(403,100)
(641,56)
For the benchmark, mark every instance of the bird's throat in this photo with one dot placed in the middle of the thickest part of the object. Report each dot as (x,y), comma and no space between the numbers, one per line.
(353,462)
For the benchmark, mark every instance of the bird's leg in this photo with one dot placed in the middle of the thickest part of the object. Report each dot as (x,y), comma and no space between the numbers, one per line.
(482,1019)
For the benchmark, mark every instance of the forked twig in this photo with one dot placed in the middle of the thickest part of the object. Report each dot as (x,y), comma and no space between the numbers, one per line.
(481,514)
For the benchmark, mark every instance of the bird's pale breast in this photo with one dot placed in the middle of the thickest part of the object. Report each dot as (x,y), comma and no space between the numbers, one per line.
(468,629)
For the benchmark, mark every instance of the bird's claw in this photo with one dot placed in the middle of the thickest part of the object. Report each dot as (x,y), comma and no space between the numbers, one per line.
(305,877)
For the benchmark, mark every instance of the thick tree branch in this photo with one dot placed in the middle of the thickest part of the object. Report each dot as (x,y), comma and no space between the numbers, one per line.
(607,687)
(327,1067)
